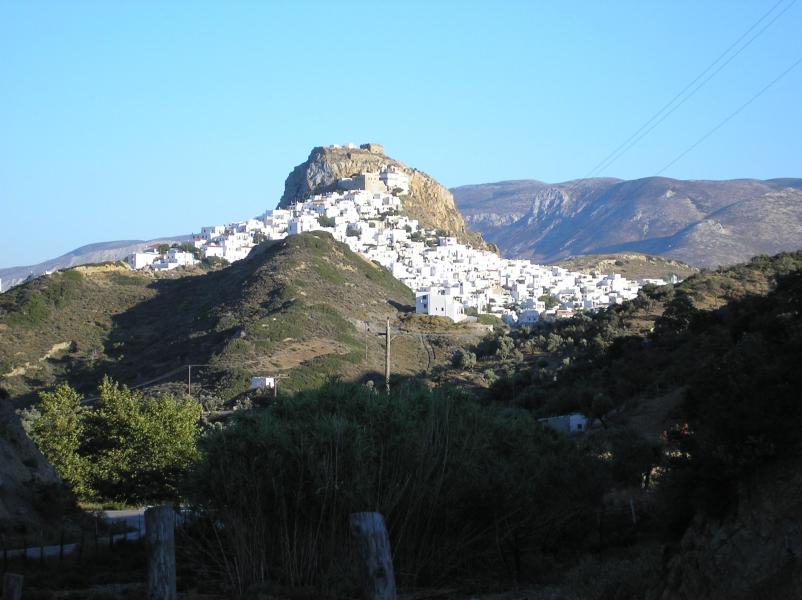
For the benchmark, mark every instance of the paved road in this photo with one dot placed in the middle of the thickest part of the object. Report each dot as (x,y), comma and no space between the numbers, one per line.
(132,520)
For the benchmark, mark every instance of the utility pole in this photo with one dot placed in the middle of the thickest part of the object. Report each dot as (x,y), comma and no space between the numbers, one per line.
(387,357)
(366,342)
(189,380)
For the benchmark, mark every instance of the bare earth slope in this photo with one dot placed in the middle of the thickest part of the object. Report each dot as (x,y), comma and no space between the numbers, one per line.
(704,223)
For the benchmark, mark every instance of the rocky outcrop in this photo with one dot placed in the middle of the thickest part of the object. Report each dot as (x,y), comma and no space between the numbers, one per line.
(32,497)
(754,552)
(428,201)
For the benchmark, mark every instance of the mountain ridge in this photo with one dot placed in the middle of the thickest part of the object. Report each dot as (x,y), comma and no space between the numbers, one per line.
(700,222)
(96,252)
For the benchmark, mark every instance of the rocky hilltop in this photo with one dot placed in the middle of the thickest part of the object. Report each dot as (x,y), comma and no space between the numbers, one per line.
(428,201)
(703,223)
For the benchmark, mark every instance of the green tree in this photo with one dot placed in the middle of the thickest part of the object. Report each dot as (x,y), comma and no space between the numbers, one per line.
(58,432)
(505,347)
(549,300)
(190,247)
(140,446)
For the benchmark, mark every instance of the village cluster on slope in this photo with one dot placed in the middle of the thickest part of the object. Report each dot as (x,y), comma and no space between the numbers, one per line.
(450,279)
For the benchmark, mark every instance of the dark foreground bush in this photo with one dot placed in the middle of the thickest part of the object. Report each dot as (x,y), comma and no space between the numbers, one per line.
(465,489)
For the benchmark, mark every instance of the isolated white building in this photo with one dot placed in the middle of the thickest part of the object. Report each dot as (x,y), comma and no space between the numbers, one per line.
(262,382)
(572,423)
(140,260)
(440,302)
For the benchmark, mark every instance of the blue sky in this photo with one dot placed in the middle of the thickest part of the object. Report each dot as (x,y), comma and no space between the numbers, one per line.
(132,120)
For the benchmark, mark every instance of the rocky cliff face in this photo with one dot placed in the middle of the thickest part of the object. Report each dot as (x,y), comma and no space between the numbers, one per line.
(755,552)
(428,201)
(32,498)
(703,223)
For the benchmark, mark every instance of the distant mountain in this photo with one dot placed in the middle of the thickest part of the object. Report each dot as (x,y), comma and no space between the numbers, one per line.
(91,253)
(703,223)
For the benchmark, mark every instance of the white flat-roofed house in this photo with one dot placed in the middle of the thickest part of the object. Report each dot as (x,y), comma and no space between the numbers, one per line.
(213,250)
(303,224)
(440,302)
(395,179)
(175,258)
(528,316)
(262,382)
(571,423)
(209,233)
(140,260)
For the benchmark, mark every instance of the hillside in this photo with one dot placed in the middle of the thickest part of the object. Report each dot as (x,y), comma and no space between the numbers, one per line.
(428,201)
(296,307)
(696,391)
(631,266)
(32,498)
(703,223)
(91,253)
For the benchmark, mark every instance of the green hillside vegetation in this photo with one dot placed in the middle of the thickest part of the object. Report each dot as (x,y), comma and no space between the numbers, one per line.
(570,364)
(127,448)
(630,265)
(295,307)
(714,381)
(56,327)
(466,490)
(695,388)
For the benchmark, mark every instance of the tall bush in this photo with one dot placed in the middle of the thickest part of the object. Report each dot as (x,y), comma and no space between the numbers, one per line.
(463,488)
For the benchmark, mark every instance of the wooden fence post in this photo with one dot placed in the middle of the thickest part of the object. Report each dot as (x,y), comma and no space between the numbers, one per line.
(12,586)
(375,559)
(160,536)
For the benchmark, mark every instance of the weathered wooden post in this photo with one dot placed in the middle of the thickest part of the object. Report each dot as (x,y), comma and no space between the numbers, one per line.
(160,537)
(387,357)
(12,586)
(375,559)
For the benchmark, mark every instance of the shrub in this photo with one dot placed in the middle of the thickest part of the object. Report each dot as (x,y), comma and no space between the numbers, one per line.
(464,359)
(463,488)
(504,347)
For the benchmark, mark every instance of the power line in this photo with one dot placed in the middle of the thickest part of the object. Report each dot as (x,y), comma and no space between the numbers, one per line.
(733,114)
(638,136)
(670,106)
